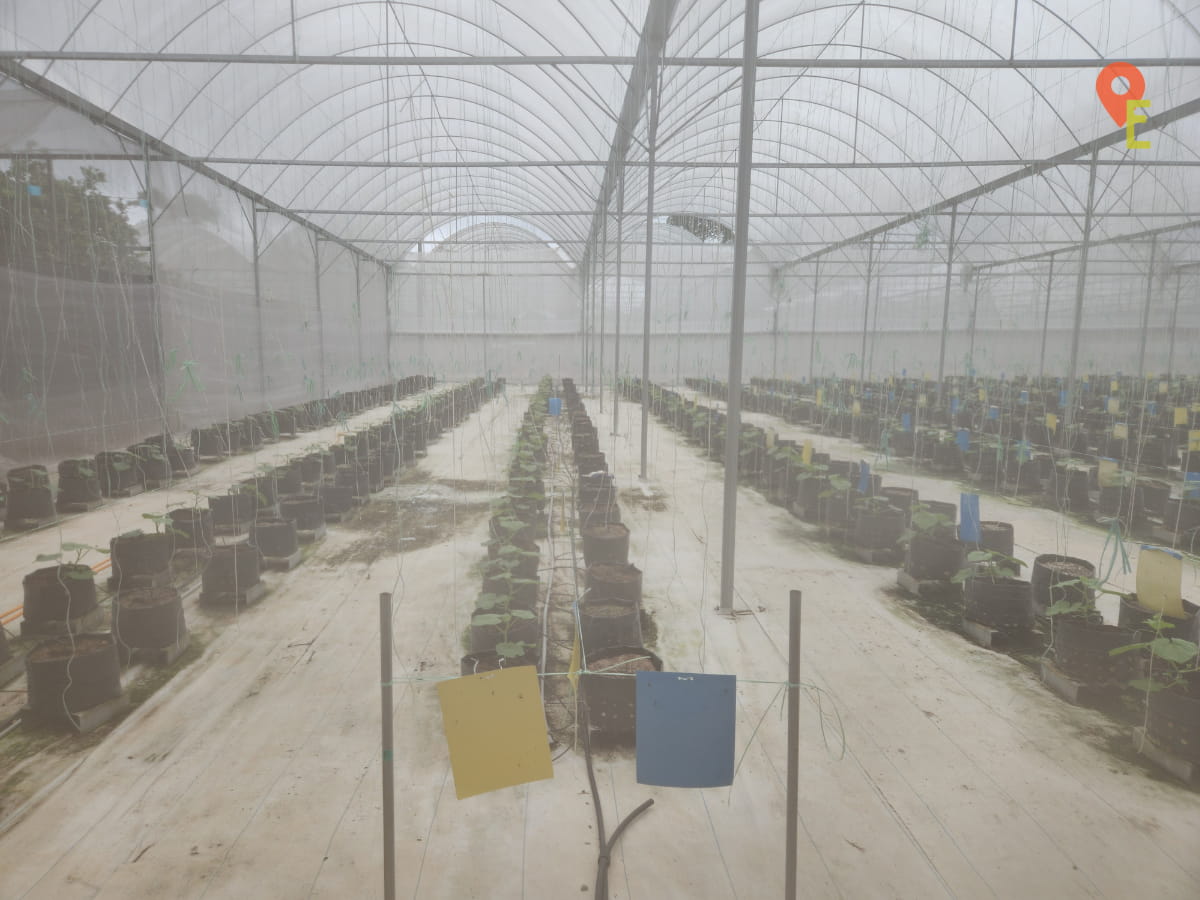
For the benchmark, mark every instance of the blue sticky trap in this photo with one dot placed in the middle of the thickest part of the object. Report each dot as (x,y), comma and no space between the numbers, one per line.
(993,412)
(34,190)
(864,477)
(891,396)
(1001,376)
(554,406)
(963,438)
(1024,451)
(968,518)
(866,393)
(1191,484)
(906,421)
(1152,408)
(903,373)
(953,405)
(1062,398)
(1024,398)
(685,729)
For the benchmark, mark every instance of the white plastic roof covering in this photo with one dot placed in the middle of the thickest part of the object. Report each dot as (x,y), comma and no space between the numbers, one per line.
(473,113)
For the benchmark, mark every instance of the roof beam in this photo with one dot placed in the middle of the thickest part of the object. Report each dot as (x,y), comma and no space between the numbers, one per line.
(1101,242)
(650,50)
(720,62)
(1153,123)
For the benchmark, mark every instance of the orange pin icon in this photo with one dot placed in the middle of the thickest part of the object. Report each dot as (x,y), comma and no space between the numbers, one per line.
(1115,103)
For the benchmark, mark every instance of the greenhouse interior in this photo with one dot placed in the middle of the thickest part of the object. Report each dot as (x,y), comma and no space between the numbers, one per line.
(751,447)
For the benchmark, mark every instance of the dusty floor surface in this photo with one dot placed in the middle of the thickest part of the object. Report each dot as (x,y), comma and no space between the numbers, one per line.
(256,772)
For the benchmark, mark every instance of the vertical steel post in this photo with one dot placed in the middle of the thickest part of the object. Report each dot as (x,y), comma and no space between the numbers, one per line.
(603,295)
(583,348)
(1140,372)
(358,315)
(793,746)
(812,335)
(385,709)
(974,319)
(941,374)
(1080,287)
(387,324)
(737,316)
(262,358)
(651,138)
(1174,319)
(874,328)
(1045,324)
(862,361)
(617,341)
(320,316)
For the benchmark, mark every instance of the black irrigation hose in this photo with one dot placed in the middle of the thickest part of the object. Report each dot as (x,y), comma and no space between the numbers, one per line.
(606,846)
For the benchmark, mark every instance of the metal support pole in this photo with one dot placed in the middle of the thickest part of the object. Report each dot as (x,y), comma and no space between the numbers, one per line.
(737,312)
(385,709)
(812,336)
(603,295)
(1080,287)
(358,315)
(387,323)
(320,317)
(651,139)
(974,319)
(862,360)
(483,303)
(1174,318)
(262,359)
(793,746)
(775,341)
(617,341)
(874,329)
(160,356)
(1140,372)
(583,336)
(1045,324)
(946,304)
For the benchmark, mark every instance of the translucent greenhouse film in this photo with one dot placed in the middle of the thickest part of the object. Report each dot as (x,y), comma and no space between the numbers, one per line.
(263,254)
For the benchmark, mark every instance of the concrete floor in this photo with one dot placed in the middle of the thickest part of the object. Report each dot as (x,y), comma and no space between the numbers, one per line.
(255,773)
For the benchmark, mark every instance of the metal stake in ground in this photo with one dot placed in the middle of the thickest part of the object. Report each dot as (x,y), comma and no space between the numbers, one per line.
(389,796)
(793,744)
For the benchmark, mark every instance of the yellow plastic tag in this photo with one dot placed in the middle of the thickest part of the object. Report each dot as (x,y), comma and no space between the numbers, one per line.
(1107,473)
(495,730)
(1159,577)
(1052,422)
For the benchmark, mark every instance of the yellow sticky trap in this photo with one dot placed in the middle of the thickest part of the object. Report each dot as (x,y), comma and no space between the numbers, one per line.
(1052,422)
(1159,577)
(806,453)
(1114,405)
(1194,440)
(1163,387)
(922,400)
(574,665)
(820,396)
(1121,431)
(495,729)
(1181,415)
(857,408)
(1106,473)
(983,395)
(1196,407)
(1114,386)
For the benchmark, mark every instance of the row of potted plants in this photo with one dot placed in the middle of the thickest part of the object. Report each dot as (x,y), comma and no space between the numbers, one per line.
(75,663)
(33,497)
(1143,651)
(504,625)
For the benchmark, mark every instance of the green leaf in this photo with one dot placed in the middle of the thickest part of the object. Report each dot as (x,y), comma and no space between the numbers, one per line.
(976,556)
(511,649)
(1128,648)
(1064,607)
(491,601)
(47,557)
(1174,650)
(485,619)
(522,614)
(1149,685)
